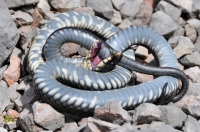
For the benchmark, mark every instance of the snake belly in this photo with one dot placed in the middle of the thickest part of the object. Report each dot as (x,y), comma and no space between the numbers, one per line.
(47,72)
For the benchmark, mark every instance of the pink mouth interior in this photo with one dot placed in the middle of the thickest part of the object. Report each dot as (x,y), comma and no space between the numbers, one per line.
(96,60)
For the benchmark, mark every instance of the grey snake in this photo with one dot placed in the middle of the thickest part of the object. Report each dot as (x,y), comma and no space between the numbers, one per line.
(86,90)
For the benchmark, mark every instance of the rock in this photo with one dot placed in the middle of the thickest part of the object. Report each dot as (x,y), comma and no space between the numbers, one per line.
(125,24)
(181,22)
(95,125)
(42,22)
(86,10)
(193,73)
(25,83)
(116,19)
(8,37)
(28,9)
(161,127)
(169,9)
(69,126)
(179,31)
(194,89)
(172,115)
(47,117)
(82,122)
(181,67)
(150,60)
(184,47)
(69,49)
(162,23)
(17,52)
(124,128)
(197,44)
(3,98)
(144,15)
(173,41)
(195,23)
(146,113)
(2,70)
(111,112)
(141,78)
(43,6)
(185,6)
(196,6)
(3,129)
(82,51)
(37,17)
(191,125)
(142,127)
(22,18)
(103,8)
(12,92)
(49,15)
(141,52)
(130,8)
(18,3)
(190,32)
(12,73)
(191,59)
(11,125)
(118,4)
(13,113)
(190,105)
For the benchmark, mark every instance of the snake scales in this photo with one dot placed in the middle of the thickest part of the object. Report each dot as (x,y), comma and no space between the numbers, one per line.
(52,70)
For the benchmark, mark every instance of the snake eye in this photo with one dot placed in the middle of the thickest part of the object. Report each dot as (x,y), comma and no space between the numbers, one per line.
(112,64)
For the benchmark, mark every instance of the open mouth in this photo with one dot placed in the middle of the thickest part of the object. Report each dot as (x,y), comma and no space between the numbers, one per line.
(95,60)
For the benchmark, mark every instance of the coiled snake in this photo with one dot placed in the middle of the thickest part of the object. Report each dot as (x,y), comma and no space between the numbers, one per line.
(63,83)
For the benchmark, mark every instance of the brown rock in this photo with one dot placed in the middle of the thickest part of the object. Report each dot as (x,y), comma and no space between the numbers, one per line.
(49,15)
(12,73)
(65,5)
(95,125)
(150,60)
(141,52)
(191,32)
(37,17)
(13,113)
(69,126)
(43,6)
(118,4)
(86,10)
(22,18)
(116,19)
(193,73)
(82,122)
(179,31)
(69,49)
(125,24)
(141,78)
(47,117)
(111,112)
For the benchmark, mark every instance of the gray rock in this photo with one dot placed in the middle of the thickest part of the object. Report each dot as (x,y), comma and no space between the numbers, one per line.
(190,32)
(49,15)
(197,44)
(141,52)
(184,47)
(28,9)
(173,41)
(130,8)
(111,112)
(12,92)
(86,10)
(118,4)
(124,128)
(179,31)
(196,6)
(47,117)
(3,98)
(181,67)
(125,24)
(161,127)
(8,33)
(11,125)
(69,126)
(172,115)
(69,49)
(95,125)
(185,6)
(136,22)
(103,8)
(169,9)
(191,125)
(195,23)
(194,89)
(191,59)
(116,19)
(146,113)
(162,23)
(2,69)
(3,129)
(181,22)
(82,51)
(18,3)
(22,18)
(193,73)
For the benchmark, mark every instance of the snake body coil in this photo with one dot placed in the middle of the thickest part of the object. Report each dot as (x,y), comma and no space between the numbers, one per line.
(49,74)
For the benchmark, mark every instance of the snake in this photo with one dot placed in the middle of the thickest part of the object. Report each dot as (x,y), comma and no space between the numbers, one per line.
(84,84)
